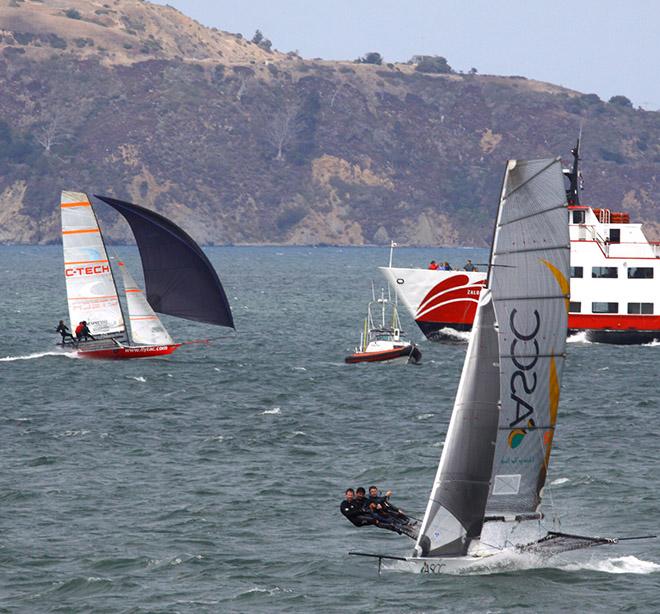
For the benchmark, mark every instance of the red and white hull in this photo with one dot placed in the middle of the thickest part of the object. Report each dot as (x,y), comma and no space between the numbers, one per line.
(437,300)
(408,353)
(104,351)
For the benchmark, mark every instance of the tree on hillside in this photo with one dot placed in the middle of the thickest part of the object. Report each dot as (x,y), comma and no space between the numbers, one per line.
(283,129)
(373,57)
(51,133)
(621,101)
(261,41)
(306,124)
(431,64)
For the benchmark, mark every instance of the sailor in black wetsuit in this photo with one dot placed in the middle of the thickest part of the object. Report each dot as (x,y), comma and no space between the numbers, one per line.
(63,330)
(361,500)
(390,517)
(354,511)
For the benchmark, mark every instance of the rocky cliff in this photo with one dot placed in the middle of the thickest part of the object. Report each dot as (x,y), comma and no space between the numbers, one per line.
(243,145)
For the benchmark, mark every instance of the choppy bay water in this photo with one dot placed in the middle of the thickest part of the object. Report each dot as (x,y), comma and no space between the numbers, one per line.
(210,481)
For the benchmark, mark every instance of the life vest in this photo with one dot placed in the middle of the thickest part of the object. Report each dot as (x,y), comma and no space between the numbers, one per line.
(433,266)
(79,329)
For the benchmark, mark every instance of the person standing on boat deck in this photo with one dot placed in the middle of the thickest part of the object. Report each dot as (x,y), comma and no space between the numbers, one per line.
(63,330)
(353,511)
(433,266)
(83,333)
(469,266)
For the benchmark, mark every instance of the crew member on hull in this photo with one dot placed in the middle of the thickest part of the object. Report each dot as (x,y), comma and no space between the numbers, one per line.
(63,330)
(83,333)
(354,510)
(377,511)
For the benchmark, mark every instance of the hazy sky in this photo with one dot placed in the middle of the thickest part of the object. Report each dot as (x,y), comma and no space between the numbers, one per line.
(605,47)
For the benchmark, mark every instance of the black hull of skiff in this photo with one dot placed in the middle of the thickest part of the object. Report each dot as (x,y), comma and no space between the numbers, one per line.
(622,337)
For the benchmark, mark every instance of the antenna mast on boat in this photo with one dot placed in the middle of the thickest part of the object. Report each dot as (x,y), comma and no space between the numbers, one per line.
(392,246)
(573,175)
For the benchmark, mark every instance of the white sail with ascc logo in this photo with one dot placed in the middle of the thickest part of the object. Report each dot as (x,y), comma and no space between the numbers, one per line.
(498,442)
(530,286)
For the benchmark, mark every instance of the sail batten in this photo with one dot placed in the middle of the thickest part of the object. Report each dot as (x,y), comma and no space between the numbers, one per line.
(179,278)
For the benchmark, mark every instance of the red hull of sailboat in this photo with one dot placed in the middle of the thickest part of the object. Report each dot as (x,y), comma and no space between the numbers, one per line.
(126,352)
(409,351)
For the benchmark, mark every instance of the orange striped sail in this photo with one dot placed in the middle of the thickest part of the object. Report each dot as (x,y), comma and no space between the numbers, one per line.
(90,286)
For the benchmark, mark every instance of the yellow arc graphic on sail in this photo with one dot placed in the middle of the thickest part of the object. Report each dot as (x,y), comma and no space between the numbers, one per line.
(553,394)
(561,280)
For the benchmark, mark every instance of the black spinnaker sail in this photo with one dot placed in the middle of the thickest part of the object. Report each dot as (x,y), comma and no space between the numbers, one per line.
(179,279)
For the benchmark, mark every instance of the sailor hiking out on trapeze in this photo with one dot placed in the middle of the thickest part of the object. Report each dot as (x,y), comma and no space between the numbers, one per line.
(376,510)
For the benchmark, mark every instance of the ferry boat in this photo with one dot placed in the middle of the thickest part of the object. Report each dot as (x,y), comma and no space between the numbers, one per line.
(614,285)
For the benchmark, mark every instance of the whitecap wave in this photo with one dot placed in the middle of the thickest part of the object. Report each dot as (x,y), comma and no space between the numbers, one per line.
(138,378)
(580,337)
(455,335)
(508,561)
(621,564)
(38,355)
(559,481)
(275,410)
(654,343)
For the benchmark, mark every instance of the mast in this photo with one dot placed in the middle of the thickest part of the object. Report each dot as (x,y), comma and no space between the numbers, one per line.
(573,175)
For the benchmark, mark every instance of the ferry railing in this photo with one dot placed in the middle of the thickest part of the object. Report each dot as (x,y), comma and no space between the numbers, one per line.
(593,235)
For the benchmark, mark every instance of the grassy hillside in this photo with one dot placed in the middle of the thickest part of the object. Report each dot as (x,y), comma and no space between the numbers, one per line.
(244,145)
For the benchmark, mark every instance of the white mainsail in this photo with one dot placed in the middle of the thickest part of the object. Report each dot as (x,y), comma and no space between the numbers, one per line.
(146,327)
(495,456)
(530,285)
(90,286)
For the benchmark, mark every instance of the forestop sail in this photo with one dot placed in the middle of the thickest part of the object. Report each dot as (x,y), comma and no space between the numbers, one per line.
(498,442)
(530,286)
(146,327)
(179,279)
(455,510)
(90,286)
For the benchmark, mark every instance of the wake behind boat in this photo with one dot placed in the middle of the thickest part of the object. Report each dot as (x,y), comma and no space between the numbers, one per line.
(495,457)
(382,342)
(179,279)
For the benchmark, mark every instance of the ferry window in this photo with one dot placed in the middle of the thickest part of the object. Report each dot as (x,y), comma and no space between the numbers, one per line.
(578,217)
(604,307)
(615,235)
(575,307)
(645,308)
(640,272)
(608,272)
(576,271)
